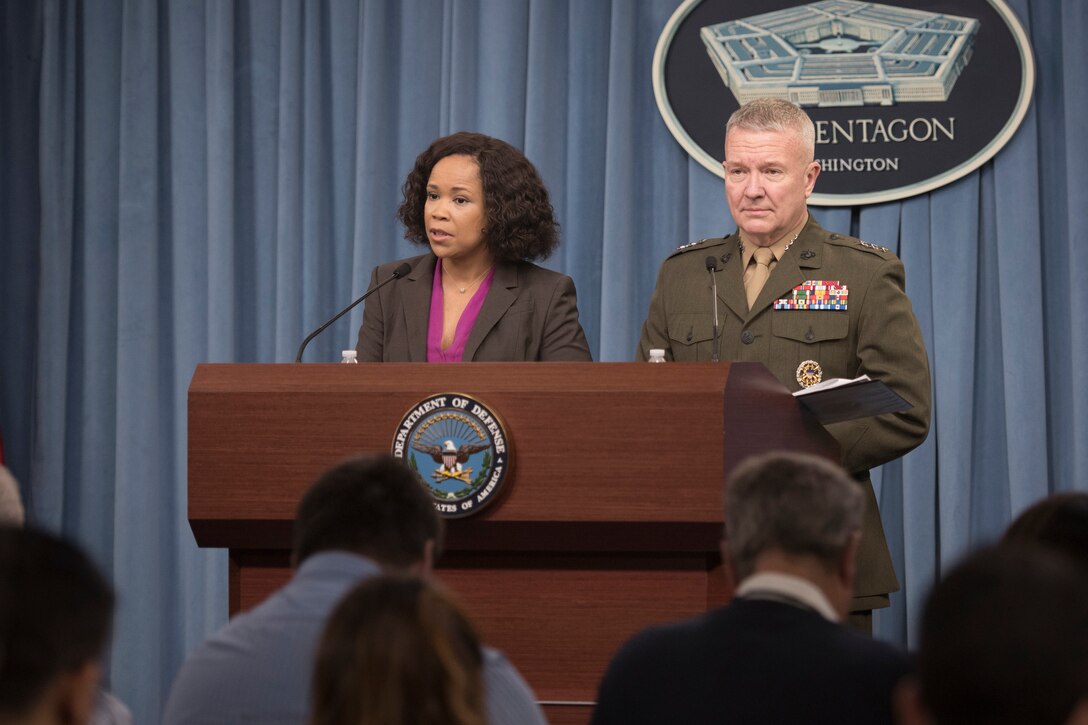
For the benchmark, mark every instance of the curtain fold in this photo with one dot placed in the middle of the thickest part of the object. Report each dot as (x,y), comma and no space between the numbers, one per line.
(187,182)
(1066,236)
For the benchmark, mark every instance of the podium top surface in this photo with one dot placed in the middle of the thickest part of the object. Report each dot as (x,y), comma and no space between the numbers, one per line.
(306,377)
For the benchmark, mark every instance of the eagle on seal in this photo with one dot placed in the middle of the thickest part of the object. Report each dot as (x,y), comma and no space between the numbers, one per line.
(438,453)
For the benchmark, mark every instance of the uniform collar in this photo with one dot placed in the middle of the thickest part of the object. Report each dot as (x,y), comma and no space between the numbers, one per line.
(778,248)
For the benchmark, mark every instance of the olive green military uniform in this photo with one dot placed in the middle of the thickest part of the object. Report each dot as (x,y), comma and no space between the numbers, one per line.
(877,334)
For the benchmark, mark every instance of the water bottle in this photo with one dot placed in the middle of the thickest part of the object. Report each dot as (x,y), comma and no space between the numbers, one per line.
(350,357)
(657,355)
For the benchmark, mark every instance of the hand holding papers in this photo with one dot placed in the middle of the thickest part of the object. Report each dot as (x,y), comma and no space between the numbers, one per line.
(839,399)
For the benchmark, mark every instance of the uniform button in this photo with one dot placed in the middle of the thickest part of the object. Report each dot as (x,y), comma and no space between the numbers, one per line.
(746,337)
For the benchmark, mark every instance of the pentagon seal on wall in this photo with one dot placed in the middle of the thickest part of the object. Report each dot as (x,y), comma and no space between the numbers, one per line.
(459,449)
(906,95)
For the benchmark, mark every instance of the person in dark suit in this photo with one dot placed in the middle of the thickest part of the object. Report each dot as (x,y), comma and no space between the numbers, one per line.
(482,208)
(809,304)
(777,653)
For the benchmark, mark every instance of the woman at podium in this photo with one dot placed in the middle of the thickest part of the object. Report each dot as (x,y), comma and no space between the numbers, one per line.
(482,209)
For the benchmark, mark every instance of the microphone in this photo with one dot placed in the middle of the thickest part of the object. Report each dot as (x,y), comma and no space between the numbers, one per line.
(399,272)
(712,267)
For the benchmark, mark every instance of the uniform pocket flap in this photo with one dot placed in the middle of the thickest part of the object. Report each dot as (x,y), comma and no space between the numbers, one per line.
(810,325)
(690,328)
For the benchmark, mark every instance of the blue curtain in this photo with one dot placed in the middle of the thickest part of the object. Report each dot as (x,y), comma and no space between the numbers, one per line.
(185,182)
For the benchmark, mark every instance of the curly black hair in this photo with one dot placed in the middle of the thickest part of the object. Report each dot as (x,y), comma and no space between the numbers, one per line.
(520,220)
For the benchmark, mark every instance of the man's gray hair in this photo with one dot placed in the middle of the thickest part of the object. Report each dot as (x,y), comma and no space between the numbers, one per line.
(775,114)
(792,502)
(11,504)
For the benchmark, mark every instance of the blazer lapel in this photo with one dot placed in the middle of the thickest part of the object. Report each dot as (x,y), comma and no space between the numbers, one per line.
(416,306)
(503,292)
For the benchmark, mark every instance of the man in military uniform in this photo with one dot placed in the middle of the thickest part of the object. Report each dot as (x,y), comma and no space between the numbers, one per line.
(809,304)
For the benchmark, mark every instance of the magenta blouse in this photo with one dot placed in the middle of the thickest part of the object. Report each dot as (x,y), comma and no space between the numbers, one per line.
(456,350)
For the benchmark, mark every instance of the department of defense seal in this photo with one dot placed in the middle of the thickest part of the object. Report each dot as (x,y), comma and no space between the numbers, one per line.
(460,450)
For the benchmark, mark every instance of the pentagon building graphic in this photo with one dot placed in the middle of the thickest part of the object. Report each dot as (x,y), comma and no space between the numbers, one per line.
(842,53)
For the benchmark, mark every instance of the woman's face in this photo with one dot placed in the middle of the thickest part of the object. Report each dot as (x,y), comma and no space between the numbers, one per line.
(454,213)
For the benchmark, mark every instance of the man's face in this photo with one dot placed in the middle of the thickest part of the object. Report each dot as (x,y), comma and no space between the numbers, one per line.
(768,179)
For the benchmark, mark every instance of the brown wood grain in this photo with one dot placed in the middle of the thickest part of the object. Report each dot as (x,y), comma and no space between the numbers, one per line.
(592,442)
(609,520)
(558,617)
(567,714)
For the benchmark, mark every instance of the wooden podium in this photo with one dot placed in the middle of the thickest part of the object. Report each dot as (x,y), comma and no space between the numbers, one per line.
(609,518)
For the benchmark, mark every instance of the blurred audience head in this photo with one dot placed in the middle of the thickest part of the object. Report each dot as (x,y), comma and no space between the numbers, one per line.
(370,505)
(796,507)
(11,503)
(55,616)
(1059,522)
(398,651)
(1004,641)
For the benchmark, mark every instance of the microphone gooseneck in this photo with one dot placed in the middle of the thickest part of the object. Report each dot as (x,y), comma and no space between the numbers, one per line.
(712,267)
(399,272)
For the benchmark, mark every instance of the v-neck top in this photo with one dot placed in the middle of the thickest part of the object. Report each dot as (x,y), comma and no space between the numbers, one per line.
(455,352)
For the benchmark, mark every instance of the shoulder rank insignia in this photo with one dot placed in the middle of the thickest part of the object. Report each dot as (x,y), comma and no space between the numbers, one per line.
(873,246)
(815,294)
(707,243)
(689,245)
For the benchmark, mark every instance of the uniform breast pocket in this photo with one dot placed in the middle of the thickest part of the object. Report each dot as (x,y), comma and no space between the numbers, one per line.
(820,335)
(690,335)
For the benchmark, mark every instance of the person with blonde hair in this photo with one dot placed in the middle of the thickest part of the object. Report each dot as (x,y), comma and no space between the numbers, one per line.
(398,651)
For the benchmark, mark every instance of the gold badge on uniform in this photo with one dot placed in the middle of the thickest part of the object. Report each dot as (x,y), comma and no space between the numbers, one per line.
(809,373)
